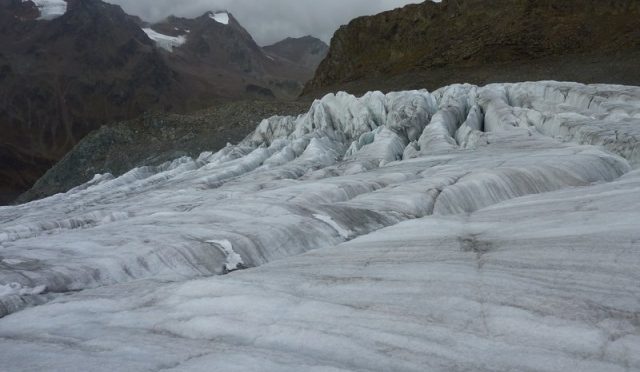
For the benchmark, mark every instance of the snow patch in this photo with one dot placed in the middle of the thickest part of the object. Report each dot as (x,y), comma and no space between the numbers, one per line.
(165,41)
(234,260)
(220,17)
(345,233)
(50,9)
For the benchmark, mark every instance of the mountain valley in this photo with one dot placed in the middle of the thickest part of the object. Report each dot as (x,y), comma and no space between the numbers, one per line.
(65,73)
(449,186)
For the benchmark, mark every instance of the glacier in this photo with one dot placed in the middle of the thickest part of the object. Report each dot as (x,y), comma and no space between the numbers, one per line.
(163,41)
(475,228)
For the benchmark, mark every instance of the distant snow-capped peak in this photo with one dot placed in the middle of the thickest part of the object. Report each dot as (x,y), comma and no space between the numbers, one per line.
(220,17)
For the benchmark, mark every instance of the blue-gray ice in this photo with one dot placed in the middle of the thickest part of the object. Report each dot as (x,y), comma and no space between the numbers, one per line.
(472,228)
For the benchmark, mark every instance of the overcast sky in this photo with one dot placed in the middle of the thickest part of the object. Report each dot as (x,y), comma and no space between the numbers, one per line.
(269,20)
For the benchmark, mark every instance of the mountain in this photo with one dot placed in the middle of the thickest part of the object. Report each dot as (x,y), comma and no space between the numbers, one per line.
(215,48)
(472,228)
(68,67)
(465,228)
(306,51)
(478,41)
(63,77)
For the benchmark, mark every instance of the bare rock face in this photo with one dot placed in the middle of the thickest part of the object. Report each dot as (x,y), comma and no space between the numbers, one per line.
(62,78)
(479,41)
(69,67)
(155,138)
(225,58)
(307,51)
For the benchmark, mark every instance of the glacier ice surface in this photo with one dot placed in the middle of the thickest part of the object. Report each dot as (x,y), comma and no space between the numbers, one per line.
(469,228)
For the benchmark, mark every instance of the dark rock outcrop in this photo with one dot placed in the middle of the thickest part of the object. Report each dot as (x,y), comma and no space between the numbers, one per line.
(62,78)
(225,58)
(478,41)
(155,138)
(307,51)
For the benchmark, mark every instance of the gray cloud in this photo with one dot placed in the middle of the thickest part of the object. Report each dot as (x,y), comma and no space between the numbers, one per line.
(269,20)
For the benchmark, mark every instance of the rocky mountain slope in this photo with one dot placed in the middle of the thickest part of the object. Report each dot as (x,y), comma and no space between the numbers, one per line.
(214,48)
(478,41)
(306,51)
(156,138)
(62,78)
(68,67)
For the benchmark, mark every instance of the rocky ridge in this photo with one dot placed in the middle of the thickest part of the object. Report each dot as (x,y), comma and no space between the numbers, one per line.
(306,51)
(477,41)
(62,78)
(66,72)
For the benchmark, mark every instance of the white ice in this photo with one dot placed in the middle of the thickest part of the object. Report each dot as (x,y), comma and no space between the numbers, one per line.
(474,228)
(234,260)
(18,289)
(220,17)
(165,41)
(50,9)
(345,233)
